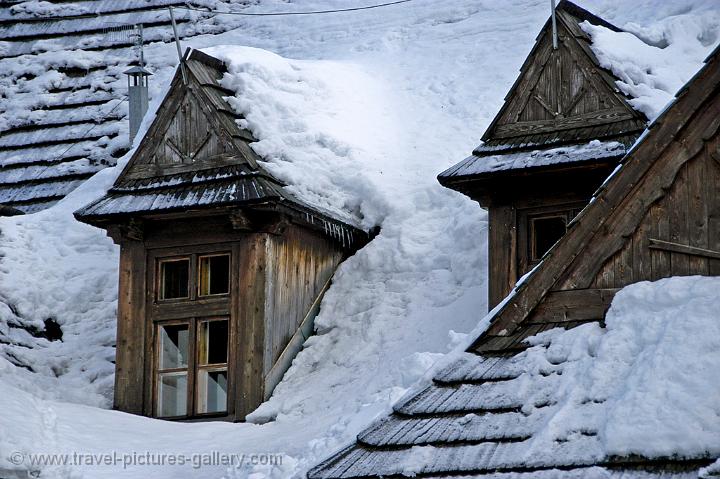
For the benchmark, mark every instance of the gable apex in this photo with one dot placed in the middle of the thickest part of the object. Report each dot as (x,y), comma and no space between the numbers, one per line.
(563,90)
(194,128)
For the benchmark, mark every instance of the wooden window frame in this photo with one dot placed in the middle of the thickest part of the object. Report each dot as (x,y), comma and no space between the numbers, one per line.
(199,272)
(193,368)
(189,311)
(158,286)
(526,256)
(210,367)
(193,276)
(533,256)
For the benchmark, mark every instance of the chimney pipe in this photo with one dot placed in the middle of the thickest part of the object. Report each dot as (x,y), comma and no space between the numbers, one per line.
(137,97)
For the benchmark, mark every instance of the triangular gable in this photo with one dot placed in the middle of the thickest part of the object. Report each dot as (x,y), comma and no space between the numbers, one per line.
(193,129)
(658,216)
(563,89)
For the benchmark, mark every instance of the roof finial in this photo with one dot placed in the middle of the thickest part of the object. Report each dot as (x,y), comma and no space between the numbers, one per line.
(177,44)
(554,25)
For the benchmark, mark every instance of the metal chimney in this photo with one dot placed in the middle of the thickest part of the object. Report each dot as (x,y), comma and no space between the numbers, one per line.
(137,97)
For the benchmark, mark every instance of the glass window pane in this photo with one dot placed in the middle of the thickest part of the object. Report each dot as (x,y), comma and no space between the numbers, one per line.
(174,276)
(546,232)
(214,275)
(173,346)
(172,394)
(213,338)
(213,391)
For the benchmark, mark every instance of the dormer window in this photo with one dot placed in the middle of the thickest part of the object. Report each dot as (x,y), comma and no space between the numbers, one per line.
(193,277)
(539,229)
(545,231)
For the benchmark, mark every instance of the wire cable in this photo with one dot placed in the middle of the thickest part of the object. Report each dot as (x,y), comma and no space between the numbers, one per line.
(278,14)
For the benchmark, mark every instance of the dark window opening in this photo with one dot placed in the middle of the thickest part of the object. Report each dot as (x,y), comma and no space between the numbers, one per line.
(174,279)
(545,232)
(214,275)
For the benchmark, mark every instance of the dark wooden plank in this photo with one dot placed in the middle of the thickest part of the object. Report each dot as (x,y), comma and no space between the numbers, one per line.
(641,260)
(660,222)
(539,126)
(713,194)
(679,231)
(250,324)
(698,202)
(691,251)
(573,305)
(502,241)
(131,341)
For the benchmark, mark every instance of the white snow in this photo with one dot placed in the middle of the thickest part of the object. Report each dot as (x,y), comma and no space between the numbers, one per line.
(651,73)
(359,112)
(650,375)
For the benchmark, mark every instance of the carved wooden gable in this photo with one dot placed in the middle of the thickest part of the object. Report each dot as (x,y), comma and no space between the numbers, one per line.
(189,136)
(559,90)
(193,130)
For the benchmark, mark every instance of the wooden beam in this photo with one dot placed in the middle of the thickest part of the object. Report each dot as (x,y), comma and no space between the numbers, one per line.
(682,248)
(573,305)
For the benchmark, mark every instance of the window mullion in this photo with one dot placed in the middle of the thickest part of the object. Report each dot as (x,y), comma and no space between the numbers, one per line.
(192,367)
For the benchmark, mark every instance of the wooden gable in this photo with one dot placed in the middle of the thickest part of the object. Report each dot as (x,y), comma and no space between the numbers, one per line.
(194,129)
(658,216)
(563,89)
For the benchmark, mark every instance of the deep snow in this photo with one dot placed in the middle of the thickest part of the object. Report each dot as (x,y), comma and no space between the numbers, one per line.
(393,96)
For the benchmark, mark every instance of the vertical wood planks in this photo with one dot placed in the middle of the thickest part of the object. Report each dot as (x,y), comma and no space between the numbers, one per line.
(130,346)
(503,253)
(250,323)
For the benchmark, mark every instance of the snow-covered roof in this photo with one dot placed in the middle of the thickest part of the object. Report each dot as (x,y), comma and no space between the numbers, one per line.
(62,92)
(479,165)
(235,178)
(639,77)
(590,401)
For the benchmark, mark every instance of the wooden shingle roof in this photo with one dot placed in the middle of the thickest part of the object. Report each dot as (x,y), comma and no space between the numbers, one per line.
(62,92)
(562,98)
(208,164)
(475,418)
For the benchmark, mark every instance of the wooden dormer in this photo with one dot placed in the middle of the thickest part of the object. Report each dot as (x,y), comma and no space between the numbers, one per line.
(222,270)
(561,131)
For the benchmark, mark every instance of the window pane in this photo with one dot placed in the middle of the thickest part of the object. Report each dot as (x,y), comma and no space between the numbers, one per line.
(173,346)
(172,394)
(213,391)
(213,340)
(214,275)
(174,277)
(546,232)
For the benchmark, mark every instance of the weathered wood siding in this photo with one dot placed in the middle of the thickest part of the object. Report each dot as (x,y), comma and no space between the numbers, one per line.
(502,260)
(561,90)
(250,305)
(131,343)
(688,215)
(299,265)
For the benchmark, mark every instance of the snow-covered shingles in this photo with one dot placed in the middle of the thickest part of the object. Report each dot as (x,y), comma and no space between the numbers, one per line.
(62,91)
(593,150)
(640,389)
